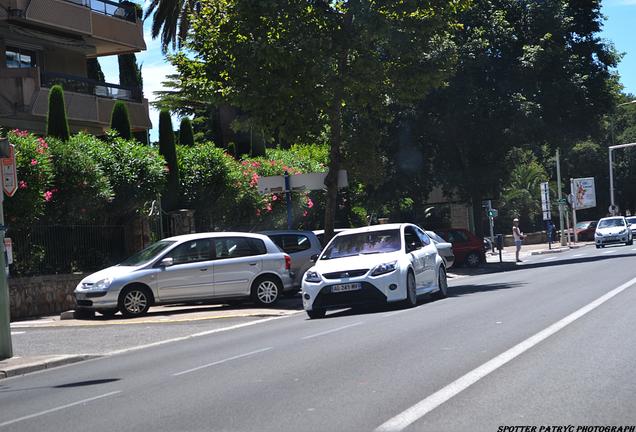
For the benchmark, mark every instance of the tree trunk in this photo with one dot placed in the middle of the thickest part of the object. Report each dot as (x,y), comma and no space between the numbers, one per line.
(331,181)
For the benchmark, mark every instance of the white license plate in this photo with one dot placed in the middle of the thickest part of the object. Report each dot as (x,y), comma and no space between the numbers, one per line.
(346,287)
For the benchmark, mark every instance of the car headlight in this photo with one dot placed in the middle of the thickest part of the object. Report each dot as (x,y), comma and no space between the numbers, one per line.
(384,268)
(312,276)
(102,284)
(598,234)
(623,231)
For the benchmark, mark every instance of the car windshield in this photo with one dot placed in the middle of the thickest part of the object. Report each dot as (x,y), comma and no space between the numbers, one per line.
(631,220)
(583,225)
(611,223)
(372,242)
(145,255)
(435,237)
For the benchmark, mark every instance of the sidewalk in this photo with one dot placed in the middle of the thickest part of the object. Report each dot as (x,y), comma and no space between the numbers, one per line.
(508,253)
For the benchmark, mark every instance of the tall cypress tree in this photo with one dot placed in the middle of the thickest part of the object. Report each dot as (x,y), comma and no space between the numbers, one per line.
(168,150)
(94,70)
(129,71)
(56,122)
(186,133)
(120,121)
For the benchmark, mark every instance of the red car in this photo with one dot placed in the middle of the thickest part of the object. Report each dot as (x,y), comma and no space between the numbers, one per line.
(468,248)
(584,231)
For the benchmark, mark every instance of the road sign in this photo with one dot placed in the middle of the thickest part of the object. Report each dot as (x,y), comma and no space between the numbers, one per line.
(545,201)
(9,173)
(562,201)
(493,213)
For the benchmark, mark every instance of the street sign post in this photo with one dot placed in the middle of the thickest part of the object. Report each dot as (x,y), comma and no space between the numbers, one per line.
(9,185)
(545,201)
(9,173)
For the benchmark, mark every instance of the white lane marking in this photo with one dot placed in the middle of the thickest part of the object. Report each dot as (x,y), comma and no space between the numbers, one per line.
(390,314)
(204,333)
(332,330)
(634,249)
(609,251)
(41,413)
(550,258)
(577,255)
(236,357)
(420,409)
(17,333)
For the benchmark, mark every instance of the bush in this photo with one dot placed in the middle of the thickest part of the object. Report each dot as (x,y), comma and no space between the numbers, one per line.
(120,120)
(57,123)
(82,189)
(135,172)
(186,133)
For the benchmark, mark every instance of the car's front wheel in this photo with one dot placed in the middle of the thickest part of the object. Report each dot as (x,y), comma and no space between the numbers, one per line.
(134,301)
(266,291)
(316,313)
(442,284)
(473,259)
(411,291)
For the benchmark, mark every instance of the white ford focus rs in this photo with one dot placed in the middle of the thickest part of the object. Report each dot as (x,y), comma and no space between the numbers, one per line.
(374,265)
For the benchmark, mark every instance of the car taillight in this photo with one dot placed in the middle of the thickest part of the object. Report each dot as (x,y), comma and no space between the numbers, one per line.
(287,262)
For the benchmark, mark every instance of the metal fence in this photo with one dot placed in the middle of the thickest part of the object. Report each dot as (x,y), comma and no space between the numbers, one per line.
(63,249)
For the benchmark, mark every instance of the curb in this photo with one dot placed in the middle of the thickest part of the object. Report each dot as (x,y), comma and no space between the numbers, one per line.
(47,363)
(559,250)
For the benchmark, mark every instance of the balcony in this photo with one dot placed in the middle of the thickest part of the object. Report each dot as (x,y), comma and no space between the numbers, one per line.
(89,104)
(91,87)
(112,27)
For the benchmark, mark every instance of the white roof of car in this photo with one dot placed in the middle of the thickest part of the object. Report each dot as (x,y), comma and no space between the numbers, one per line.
(197,236)
(371,228)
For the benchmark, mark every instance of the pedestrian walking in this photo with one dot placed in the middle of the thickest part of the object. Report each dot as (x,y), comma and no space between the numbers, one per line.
(518,237)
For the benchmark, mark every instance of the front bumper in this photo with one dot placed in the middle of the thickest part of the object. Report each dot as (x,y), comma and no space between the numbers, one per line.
(375,290)
(606,240)
(92,299)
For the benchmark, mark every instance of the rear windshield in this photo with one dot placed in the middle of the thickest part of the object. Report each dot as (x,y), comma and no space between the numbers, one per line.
(145,255)
(610,223)
(366,243)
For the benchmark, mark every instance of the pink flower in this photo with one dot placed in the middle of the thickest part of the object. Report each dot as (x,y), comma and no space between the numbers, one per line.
(310,203)
(305,213)
(43,143)
(274,197)
(272,163)
(48,196)
(20,133)
(268,207)
(258,212)
(22,184)
(245,163)
(34,162)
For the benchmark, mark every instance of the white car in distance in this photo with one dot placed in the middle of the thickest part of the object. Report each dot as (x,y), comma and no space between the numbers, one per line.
(612,230)
(379,264)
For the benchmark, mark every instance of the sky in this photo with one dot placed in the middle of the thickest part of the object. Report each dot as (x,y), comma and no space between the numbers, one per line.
(619,29)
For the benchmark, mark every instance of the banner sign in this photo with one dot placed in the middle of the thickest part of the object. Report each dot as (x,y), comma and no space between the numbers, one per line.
(584,193)
(545,201)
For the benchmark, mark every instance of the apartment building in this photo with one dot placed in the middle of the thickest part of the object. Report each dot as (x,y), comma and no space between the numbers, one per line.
(47,42)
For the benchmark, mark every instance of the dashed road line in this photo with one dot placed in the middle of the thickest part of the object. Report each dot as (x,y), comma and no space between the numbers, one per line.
(609,251)
(41,413)
(337,329)
(236,357)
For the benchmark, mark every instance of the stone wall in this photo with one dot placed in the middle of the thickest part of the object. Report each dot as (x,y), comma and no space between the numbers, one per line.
(42,295)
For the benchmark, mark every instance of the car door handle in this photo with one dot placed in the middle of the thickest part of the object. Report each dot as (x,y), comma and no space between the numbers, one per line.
(203,269)
(252,263)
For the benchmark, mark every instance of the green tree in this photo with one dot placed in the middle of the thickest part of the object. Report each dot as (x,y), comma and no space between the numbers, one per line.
(167,149)
(94,70)
(301,67)
(130,71)
(120,120)
(529,72)
(56,122)
(186,134)
(171,19)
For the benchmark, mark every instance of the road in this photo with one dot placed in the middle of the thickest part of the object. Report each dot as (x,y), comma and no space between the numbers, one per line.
(550,342)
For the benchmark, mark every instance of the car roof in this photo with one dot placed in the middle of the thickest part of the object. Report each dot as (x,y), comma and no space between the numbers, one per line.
(371,228)
(613,217)
(273,232)
(196,236)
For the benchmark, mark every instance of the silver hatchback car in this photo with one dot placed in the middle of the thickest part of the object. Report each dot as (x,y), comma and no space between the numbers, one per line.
(193,267)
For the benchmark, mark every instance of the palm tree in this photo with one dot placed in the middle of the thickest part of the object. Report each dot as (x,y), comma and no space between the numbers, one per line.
(171,19)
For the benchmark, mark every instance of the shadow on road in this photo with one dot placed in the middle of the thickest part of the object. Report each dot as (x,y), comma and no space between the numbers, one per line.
(462,290)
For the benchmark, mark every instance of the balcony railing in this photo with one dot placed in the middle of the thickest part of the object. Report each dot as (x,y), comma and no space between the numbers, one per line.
(88,86)
(122,10)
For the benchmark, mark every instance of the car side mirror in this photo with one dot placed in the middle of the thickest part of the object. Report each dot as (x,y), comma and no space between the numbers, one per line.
(411,247)
(314,257)
(166,262)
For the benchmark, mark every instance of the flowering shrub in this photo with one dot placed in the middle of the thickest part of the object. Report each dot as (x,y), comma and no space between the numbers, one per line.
(35,179)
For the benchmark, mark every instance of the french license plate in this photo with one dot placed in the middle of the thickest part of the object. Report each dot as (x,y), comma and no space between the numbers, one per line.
(346,287)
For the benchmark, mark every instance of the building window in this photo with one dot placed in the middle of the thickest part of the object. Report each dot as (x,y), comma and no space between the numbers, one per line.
(18,58)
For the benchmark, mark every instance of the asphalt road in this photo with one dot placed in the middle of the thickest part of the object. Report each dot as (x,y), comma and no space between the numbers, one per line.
(551,342)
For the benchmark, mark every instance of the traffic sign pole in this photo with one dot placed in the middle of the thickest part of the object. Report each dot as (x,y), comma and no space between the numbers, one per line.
(6,349)
(558,167)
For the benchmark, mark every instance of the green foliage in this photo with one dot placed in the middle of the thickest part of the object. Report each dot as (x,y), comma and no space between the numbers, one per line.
(35,180)
(94,70)
(186,134)
(56,122)
(171,19)
(170,199)
(82,190)
(135,172)
(129,71)
(120,120)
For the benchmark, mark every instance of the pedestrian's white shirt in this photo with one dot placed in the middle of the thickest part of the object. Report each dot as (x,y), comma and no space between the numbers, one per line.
(516,233)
